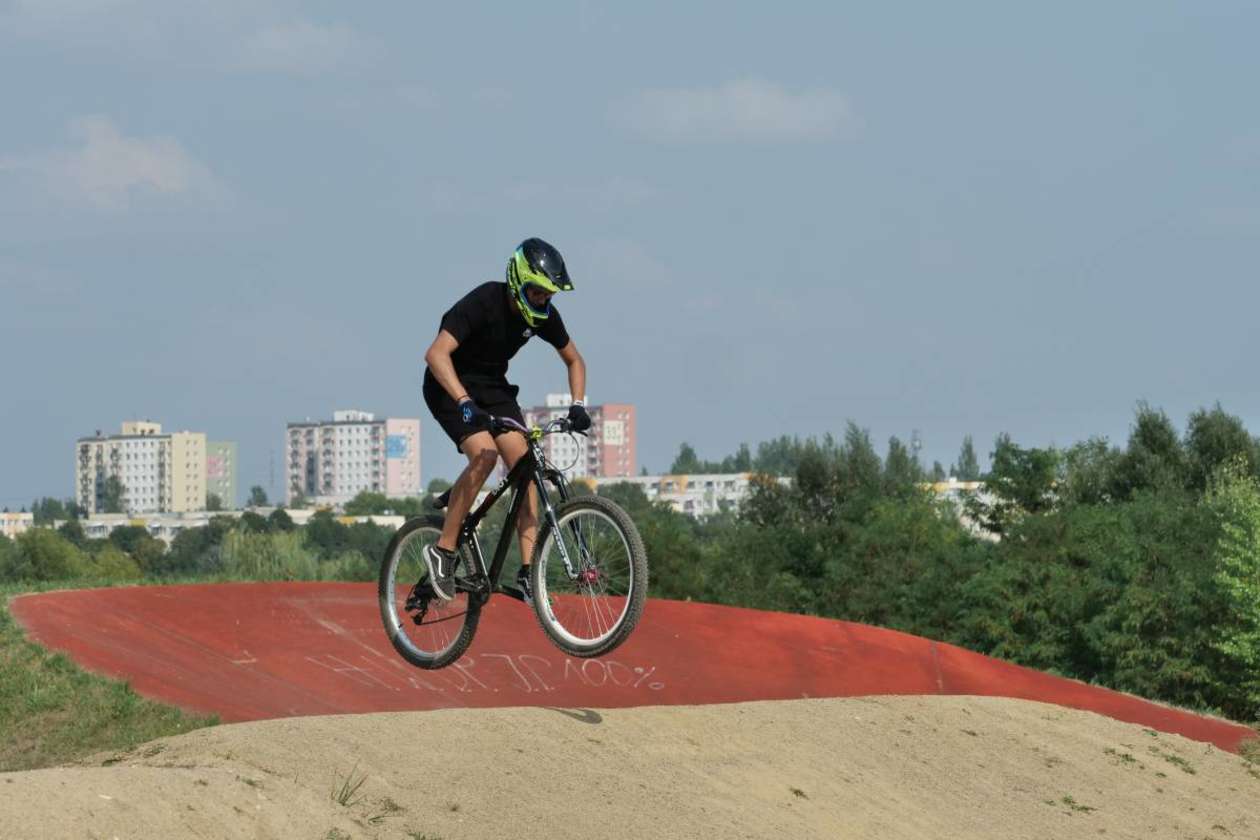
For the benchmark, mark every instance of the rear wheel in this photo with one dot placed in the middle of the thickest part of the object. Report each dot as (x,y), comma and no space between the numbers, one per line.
(590,606)
(425,630)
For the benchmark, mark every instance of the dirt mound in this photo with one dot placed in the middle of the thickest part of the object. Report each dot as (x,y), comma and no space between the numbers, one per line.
(884,767)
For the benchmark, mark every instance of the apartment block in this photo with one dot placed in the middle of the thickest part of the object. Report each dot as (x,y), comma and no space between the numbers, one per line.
(13,524)
(221,471)
(608,449)
(158,472)
(695,494)
(331,462)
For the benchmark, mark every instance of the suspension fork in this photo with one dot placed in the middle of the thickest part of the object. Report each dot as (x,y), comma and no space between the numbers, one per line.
(584,551)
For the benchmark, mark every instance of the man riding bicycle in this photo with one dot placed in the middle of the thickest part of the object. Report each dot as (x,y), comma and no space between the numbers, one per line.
(465,384)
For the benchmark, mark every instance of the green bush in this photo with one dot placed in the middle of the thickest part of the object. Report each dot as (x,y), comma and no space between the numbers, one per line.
(41,554)
(279,556)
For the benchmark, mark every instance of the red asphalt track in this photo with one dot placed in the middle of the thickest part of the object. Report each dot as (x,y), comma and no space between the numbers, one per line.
(268,650)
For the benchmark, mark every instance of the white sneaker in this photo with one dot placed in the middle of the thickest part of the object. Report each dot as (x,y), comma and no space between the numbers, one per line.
(441,571)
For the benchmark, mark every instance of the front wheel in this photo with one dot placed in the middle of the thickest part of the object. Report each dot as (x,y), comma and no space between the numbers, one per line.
(425,630)
(589,606)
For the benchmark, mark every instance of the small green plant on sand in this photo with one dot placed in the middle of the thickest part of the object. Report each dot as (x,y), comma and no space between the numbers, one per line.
(1250,750)
(1175,760)
(345,791)
(1076,806)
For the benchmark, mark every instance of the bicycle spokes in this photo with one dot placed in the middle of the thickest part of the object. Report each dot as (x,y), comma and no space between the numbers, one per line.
(426,627)
(587,575)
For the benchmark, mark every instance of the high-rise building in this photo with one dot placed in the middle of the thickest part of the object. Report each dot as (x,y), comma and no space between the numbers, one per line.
(158,472)
(221,471)
(332,462)
(608,450)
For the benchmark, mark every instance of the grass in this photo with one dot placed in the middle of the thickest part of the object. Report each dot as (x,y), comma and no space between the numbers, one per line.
(53,712)
(1071,804)
(1076,806)
(1175,760)
(345,791)
(1250,750)
(1123,757)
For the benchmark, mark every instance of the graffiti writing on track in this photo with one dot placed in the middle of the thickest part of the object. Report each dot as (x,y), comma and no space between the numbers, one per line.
(493,673)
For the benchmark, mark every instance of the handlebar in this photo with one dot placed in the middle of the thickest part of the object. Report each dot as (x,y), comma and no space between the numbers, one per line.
(559,425)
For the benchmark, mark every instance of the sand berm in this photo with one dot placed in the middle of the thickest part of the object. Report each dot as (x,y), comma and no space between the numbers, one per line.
(878,767)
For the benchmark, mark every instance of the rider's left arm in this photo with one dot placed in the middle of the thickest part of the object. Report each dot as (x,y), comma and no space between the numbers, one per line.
(577,370)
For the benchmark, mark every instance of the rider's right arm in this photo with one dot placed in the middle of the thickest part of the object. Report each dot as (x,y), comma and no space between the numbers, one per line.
(438,358)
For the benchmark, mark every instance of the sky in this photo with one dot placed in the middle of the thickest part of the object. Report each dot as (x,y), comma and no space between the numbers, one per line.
(961,219)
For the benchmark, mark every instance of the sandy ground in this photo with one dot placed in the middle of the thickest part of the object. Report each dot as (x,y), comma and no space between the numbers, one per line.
(888,767)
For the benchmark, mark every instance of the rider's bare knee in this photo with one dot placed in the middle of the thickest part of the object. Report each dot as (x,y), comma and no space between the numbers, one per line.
(481,463)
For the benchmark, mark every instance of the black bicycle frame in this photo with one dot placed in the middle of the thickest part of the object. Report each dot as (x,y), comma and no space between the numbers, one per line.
(528,470)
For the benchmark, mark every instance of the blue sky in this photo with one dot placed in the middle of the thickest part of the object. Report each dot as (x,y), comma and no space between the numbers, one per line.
(961,218)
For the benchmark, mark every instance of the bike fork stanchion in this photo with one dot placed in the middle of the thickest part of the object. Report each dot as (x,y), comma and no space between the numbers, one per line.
(554,527)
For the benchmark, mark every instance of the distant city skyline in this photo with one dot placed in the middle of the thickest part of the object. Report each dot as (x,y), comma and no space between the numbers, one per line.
(975,219)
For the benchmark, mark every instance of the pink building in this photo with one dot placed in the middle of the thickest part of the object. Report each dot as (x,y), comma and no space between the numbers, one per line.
(402,457)
(607,451)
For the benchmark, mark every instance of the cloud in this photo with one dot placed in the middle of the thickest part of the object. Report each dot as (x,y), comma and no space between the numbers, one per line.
(746,110)
(449,196)
(230,35)
(108,169)
(302,49)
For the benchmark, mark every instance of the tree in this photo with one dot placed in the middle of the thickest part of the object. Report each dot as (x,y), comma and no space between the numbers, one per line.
(686,461)
(48,510)
(778,457)
(280,521)
(112,563)
(147,551)
(858,458)
(257,496)
(1021,481)
(196,550)
(689,462)
(1235,499)
(1213,439)
(253,523)
(938,472)
(298,502)
(328,536)
(43,554)
(901,470)
(437,486)
(1154,458)
(213,502)
(967,468)
(114,496)
(72,530)
(367,503)
(1086,472)
(8,555)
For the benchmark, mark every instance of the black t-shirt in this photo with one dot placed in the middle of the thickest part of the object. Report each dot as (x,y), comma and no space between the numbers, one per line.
(490,329)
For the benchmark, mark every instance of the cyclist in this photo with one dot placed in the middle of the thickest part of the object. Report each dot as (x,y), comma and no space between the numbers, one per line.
(465,384)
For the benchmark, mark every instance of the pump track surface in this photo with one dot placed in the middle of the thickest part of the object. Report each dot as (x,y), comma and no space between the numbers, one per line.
(254,651)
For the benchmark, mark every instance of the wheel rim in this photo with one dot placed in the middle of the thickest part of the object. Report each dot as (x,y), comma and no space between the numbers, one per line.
(588,609)
(442,621)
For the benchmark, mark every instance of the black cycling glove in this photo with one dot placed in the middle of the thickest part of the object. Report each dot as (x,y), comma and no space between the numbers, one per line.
(473,415)
(579,418)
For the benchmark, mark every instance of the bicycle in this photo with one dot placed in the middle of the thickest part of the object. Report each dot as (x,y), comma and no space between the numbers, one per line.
(589,571)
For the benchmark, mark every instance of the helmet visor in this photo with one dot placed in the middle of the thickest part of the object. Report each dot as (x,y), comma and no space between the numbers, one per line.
(537,299)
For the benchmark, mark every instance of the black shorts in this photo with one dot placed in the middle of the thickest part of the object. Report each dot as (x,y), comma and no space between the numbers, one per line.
(498,399)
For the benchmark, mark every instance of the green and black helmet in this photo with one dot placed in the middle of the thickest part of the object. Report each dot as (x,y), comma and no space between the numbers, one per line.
(535,263)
